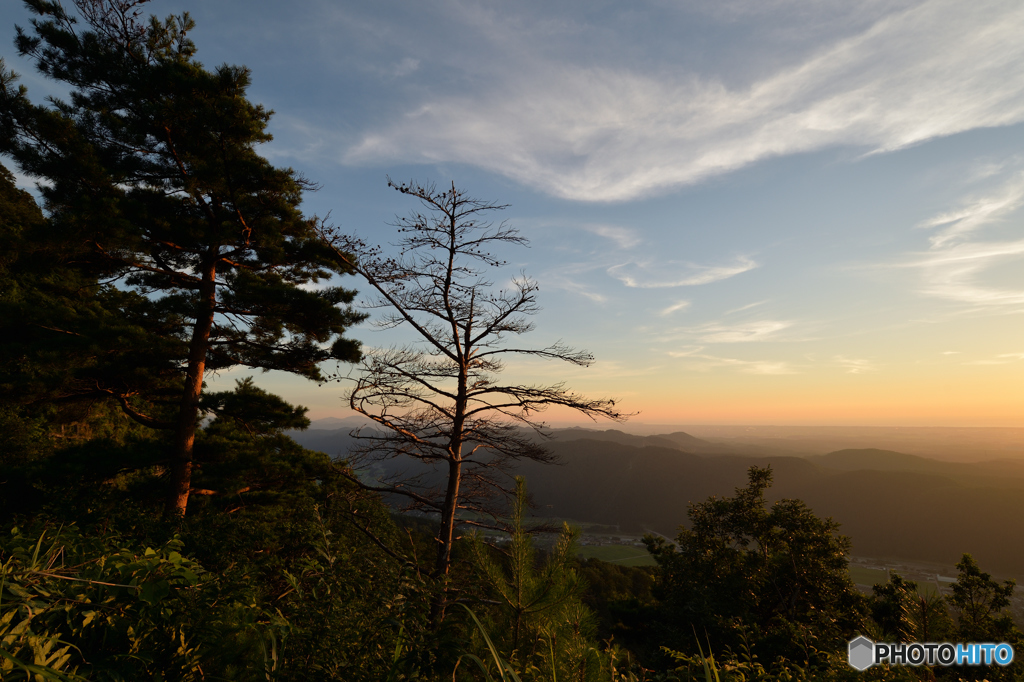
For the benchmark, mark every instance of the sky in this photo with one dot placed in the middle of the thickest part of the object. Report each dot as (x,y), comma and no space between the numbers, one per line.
(749,211)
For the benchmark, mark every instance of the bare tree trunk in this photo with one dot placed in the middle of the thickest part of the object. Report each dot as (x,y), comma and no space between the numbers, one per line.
(446,536)
(438,286)
(188,412)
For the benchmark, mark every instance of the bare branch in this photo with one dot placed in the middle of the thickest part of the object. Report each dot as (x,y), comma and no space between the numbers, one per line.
(438,406)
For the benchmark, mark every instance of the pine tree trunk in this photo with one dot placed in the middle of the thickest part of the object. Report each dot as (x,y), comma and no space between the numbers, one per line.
(188,412)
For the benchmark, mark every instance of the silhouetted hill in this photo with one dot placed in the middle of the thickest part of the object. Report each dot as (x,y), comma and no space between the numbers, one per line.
(352,422)
(678,440)
(913,515)
(890,503)
(873,458)
(647,488)
(335,442)
(951,444)
(999,473)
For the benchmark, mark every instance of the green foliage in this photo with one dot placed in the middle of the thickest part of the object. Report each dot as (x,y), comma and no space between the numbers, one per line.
(545,630)
(41,363)
(746,667)
(777,577)
(905,615)
(305,558)
(622,600)
(65,337)
(244,449)
(152,180)
(153,173)
(289,575)
(242,457)
(103,609)
(505,671)
(979,602)
(288,589)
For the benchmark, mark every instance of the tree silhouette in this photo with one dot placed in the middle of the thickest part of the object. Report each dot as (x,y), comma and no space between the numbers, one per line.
(979,602)
(440,401)
(779,570)
(151,180)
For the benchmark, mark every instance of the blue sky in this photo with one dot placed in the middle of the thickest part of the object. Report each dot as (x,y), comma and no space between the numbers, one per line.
(773,211)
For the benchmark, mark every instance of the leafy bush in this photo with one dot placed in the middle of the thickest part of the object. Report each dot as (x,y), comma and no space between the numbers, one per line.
(99,608)
(776,577)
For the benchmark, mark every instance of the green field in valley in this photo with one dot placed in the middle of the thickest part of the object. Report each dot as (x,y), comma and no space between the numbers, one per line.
(868,576)
(624,555)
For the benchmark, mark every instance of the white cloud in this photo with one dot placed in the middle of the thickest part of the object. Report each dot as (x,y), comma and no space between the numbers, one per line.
(854,365)
(953,273)
(648,275)
(615,132)
(570,276)
(744,332)
(987,168)
(577,288)
(977,212)
(624,237)
(957,267)
(675,307)
(702,362)
(1001,359)
(745,307)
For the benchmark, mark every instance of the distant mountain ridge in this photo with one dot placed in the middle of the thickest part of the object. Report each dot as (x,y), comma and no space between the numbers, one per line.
(679,440)
(890,503)
(914,515)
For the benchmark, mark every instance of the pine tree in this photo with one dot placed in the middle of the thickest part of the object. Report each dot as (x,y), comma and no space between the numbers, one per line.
(151,179)
(541,621)
(980,602)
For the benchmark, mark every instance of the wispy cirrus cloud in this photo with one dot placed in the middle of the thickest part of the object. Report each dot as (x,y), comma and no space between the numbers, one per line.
(1001,359)
(699,361)
(956,266)
(854,365)
(611,131)
(745,307)
(955,273)
(977,212)
(742,332)
(648,274)
(674,308)
(573,277)
(623,237)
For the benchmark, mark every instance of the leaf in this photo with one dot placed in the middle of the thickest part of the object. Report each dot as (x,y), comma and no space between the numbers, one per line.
(504,669)
(155,590)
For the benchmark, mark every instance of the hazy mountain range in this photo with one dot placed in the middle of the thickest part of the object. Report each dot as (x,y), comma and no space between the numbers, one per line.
(892,504)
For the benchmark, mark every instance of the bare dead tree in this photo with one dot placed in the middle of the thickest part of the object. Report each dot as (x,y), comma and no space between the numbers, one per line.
(440,402)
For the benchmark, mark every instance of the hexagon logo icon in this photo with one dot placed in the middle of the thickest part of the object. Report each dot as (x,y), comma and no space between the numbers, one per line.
(861,654)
